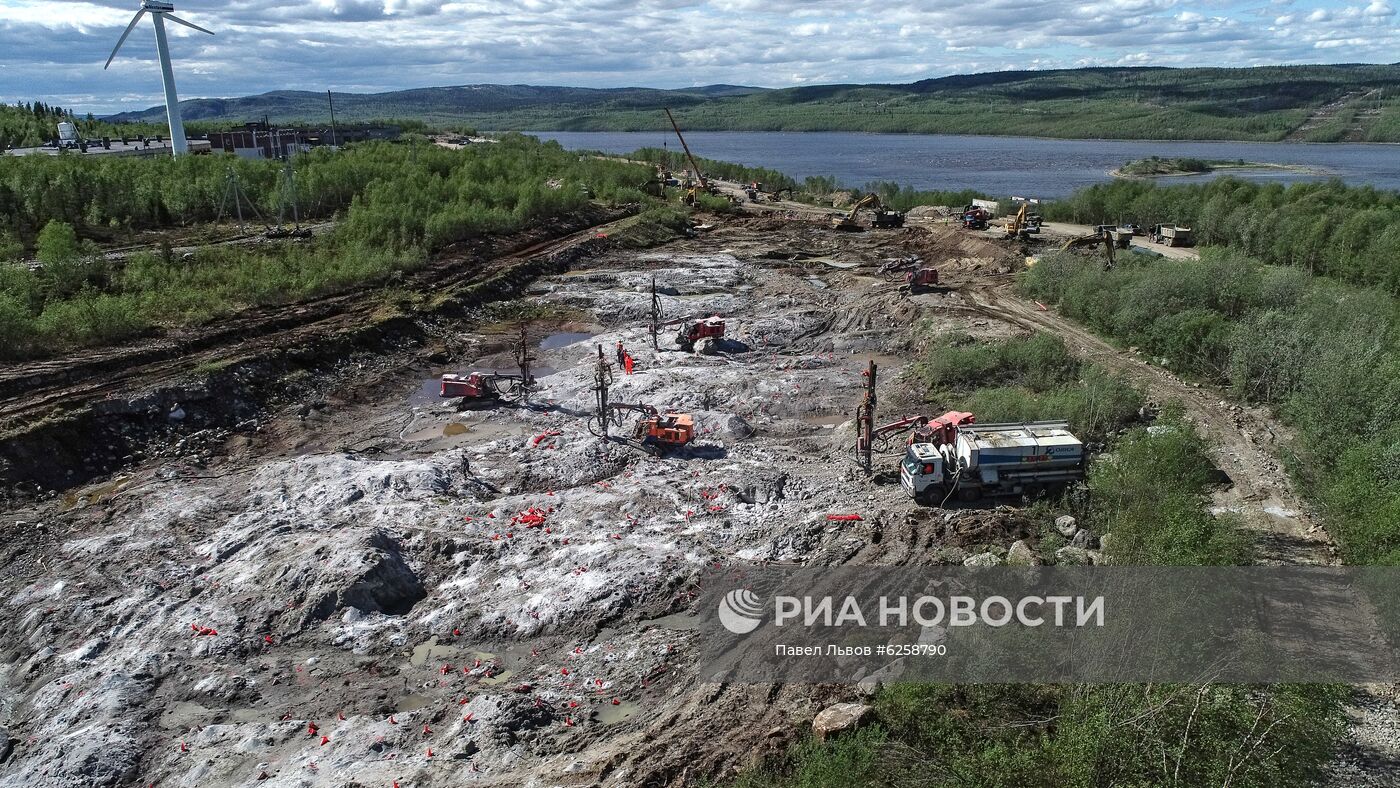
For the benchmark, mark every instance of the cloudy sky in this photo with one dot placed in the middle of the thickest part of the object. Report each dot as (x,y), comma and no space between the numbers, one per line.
(54,49)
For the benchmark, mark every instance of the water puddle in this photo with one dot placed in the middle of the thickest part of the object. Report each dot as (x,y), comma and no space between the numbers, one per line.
(829,422)
(564,339)
(95,494)
(452,433)
(184,715)
(431,651)
(411,703)
(499,678)
(609,714)
(685,622)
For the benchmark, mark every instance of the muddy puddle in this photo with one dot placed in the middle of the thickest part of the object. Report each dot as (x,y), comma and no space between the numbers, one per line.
(451,432)
(684,622)
(565,338)
(95,493)
(827,422)
(611,713)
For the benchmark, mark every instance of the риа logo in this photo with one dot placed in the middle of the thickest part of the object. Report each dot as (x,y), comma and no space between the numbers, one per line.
(740,611)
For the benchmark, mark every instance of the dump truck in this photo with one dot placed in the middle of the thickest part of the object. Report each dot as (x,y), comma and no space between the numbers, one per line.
(980,460)
(1172,235)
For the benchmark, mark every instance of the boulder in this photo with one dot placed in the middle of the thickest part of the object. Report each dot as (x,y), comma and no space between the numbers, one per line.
(982,559)
(1021,554)
(1084,538)
(841,717)
(1103,542)
(1072,556)
(1066,525)
(950,555)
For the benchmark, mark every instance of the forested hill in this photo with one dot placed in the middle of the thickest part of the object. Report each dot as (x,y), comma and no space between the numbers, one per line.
(1298,103)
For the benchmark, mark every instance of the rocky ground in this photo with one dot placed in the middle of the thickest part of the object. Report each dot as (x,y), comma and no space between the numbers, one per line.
(376,586)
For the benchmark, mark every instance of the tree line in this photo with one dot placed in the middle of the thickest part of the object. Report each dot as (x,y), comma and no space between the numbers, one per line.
(1348,232)
(395,205)
(1324,355)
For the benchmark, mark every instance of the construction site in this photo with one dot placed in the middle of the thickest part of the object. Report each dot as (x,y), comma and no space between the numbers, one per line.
(461,547)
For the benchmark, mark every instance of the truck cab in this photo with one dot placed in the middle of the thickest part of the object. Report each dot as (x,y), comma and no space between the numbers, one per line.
(921,472)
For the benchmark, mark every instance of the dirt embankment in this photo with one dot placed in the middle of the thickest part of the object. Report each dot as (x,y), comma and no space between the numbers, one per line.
(68,420)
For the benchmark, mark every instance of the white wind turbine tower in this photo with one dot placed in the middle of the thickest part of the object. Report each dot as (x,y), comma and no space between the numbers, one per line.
(159,12)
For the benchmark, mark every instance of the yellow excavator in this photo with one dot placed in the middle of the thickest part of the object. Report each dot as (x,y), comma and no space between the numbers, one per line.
(880,216)
(1104,237)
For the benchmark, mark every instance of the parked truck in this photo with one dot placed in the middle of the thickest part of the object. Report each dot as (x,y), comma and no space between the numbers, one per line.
(1172,235)
(993,459)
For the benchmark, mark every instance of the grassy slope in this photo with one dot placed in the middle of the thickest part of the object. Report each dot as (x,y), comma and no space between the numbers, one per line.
(1138,103)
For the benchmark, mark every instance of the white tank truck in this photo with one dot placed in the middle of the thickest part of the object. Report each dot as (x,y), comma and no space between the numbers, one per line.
(993,459)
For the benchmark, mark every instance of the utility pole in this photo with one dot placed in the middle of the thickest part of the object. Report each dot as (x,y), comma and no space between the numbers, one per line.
(865,421)
(331,102)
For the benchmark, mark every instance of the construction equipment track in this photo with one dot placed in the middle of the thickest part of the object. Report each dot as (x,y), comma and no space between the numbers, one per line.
(33,391)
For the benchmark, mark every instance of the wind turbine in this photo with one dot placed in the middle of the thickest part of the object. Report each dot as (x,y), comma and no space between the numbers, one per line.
(160,11)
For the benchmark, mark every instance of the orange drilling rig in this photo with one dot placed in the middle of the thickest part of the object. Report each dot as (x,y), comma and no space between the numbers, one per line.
(655,432)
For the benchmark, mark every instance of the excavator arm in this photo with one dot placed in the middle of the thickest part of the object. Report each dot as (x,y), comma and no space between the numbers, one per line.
(704,185)
(1094,239)
(848,222)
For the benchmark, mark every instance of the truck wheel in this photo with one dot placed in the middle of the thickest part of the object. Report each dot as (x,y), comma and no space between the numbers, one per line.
(969,494)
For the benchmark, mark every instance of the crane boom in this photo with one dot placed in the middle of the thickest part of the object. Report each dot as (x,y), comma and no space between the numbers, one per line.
(696,167)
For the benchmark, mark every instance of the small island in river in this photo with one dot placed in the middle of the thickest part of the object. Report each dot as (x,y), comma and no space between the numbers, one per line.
(1156,166)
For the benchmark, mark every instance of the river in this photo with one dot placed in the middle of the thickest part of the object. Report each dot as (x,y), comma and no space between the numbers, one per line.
(1001,166)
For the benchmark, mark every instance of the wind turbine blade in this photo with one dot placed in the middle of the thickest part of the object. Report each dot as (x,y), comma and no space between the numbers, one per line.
(174,18)
(122,40)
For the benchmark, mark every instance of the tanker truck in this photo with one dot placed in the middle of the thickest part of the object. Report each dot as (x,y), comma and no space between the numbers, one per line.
(993,459)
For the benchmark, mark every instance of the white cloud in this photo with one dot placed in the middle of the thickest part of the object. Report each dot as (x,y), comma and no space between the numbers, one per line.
(54,50)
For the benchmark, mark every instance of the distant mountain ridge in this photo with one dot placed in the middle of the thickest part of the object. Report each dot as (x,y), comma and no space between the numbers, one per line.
(1329,103)
(435,103)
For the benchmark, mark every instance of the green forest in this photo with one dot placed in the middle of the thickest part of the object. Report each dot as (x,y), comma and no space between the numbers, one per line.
(1264,104)
(30,124)
(1350,233)
(394,205)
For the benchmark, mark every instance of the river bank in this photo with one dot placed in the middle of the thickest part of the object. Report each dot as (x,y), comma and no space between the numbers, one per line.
(1022,166)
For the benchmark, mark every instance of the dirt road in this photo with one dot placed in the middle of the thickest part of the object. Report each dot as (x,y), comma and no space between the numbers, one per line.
(1063,230)
(1244,442)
